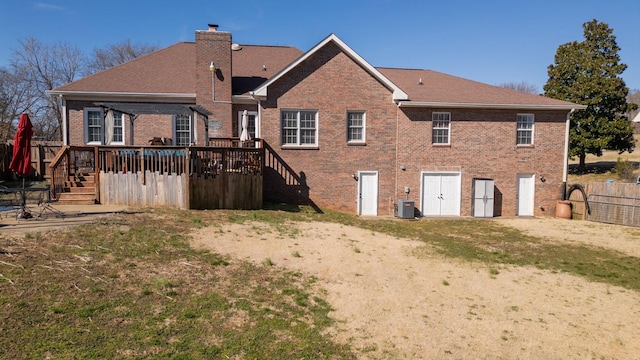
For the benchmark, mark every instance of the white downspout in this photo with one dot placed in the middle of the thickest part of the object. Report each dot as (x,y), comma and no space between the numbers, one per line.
(259,120)
(395,193)
(65,137)
(565,170)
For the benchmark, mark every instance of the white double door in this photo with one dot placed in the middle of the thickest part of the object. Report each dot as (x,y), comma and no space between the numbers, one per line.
(441,194)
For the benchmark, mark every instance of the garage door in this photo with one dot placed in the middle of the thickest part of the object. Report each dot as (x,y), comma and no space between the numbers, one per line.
(441,194)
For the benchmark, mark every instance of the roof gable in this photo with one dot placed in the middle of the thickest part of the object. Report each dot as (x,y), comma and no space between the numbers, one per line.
(398,94)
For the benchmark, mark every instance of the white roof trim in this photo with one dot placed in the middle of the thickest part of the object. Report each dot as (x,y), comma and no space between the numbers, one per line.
(398,94)
(424,104)
(79,95)
(243,99)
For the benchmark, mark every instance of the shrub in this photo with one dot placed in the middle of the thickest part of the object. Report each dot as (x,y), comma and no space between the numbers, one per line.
(625,169)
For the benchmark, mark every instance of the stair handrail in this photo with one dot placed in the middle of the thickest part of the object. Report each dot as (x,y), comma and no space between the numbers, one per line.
(59,170)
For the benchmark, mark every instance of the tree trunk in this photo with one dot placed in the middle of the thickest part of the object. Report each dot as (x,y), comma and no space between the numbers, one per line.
(582,167)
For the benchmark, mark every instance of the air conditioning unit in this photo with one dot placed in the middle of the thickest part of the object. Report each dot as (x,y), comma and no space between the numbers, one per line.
(405,209)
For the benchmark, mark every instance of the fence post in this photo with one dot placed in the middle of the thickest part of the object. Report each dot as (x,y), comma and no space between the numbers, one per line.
(187,192)
(144,171)
(96,171)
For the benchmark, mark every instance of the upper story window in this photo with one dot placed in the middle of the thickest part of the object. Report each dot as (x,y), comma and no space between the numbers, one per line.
(299,127)
(524,129)
(356,126)
(103,130)
(182,130)
(441,126)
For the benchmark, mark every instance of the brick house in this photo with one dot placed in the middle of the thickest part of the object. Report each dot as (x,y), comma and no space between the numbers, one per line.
(341,133)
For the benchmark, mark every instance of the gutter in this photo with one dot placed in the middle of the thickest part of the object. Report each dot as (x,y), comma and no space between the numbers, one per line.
(451,105)
(148,97)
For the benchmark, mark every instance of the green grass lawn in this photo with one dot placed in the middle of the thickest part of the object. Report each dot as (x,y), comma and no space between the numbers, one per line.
(129,286)
(602,168)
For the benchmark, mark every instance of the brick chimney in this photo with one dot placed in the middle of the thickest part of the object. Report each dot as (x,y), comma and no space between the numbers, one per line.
(213,78)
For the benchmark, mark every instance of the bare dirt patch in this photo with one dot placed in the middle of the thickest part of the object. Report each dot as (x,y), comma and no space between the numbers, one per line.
(624,239)
(395,298)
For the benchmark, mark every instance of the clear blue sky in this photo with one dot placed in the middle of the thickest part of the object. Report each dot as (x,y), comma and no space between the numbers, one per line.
(492,41)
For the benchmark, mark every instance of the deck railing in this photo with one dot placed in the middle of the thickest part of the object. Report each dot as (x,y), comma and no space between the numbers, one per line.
(70,162)
(225,155)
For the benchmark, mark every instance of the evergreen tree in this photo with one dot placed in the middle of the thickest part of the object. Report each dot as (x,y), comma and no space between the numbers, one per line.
(588,73)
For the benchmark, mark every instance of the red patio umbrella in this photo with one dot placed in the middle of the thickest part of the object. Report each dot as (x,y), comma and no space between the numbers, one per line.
(21,162)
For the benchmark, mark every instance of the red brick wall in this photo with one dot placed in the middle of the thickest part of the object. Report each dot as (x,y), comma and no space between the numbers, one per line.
(145,126)
(483,142)
(483,145)
(75,116)
(331,83)
(214,46)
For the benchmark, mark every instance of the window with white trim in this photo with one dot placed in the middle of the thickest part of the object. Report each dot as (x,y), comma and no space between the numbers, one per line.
(356,126)
(524,129)
(95,127)
(182,130)
(118,128)
(440,128)
(93,121)
(299,127)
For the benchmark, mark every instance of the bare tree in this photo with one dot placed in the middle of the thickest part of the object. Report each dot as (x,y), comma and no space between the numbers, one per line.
(36,68)
(522,87)
(41,68)
(116,54)
(634,98)
(15,97)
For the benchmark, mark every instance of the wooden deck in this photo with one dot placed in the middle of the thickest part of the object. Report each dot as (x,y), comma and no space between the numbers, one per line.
(221,177)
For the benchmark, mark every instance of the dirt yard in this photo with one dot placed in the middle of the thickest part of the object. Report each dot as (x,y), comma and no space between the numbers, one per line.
(392,304)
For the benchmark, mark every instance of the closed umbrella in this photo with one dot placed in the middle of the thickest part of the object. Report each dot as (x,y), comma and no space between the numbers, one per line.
(21,161)
(108,127)
(244,135)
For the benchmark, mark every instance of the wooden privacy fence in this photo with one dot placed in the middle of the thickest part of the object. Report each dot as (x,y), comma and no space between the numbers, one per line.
(611,202)
(42,153)
(5,156)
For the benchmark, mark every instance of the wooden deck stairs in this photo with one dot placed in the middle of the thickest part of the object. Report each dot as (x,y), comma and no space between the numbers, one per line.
(79,189)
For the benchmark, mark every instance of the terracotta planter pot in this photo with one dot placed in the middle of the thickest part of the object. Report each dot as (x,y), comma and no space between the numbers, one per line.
(563,209)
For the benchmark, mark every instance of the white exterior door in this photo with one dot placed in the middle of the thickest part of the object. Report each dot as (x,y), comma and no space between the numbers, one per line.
(441,194)
(368,193)
(253,126)
(526,192)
